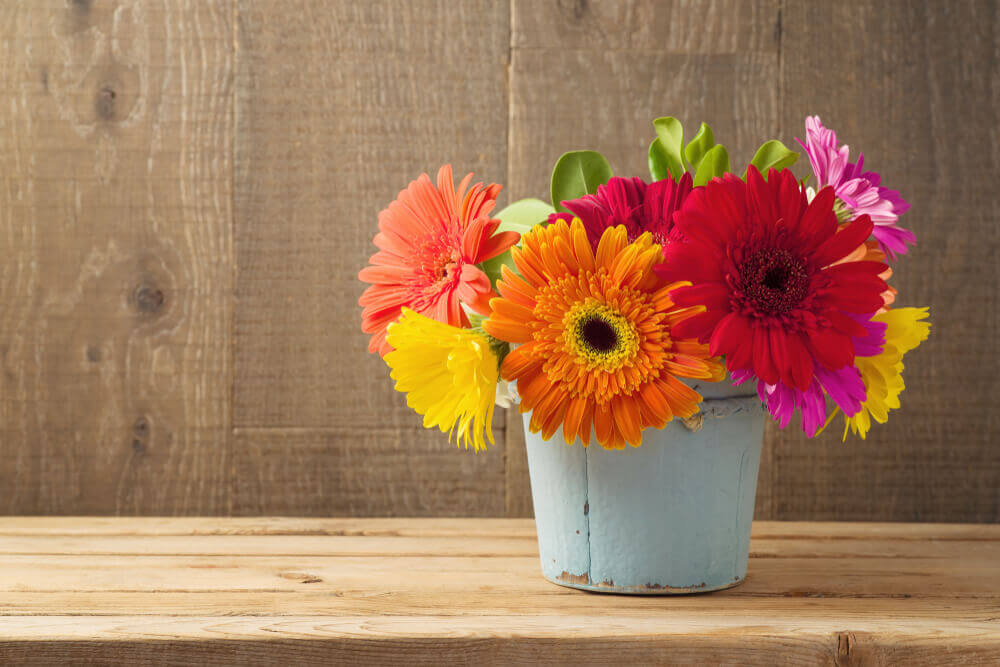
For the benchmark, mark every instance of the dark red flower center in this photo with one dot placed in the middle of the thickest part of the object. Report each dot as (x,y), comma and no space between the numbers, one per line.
(773,281)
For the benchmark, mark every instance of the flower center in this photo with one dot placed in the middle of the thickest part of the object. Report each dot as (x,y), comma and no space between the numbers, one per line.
(438,261)
(598,334)
(599,337)
(774,281)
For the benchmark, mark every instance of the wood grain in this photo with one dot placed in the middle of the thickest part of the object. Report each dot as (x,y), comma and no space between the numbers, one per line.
(363,472)
(595,75)
(301,591)
(189,189)
(115,215)
(340,104)
(914,86)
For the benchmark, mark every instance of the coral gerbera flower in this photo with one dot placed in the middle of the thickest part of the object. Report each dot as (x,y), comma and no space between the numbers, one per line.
(632,203)
(883,372)
(430,241)
(764,263)
(595,334)
(449,375)
(859,192)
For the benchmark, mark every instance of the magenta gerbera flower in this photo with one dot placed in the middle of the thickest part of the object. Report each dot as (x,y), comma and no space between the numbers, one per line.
(860,192)
(633,203)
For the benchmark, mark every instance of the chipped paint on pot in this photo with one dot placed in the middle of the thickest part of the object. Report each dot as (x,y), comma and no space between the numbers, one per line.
(672,516)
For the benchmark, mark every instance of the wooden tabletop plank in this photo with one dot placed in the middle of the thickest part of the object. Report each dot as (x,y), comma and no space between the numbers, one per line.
(450,527)
(305,591)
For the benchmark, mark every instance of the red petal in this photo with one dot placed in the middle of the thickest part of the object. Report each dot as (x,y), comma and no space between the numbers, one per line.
(711,295)
(691,261)
(833,349)
(843,242)
(698,326)
(763,363)
(711,214)
(760,198)
(799,370)
(819,221)
(791,199)
(741,357)
(854,301)
(855,270)
(846,325)
(728,335)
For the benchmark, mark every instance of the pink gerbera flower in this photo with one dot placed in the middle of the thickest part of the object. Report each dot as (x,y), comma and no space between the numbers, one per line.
(633,203)
(430,240)
(859,192)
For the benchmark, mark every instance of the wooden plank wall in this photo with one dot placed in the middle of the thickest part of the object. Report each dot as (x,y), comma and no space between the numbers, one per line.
(189,188)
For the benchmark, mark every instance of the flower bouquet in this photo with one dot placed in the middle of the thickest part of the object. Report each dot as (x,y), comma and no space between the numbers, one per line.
(709,295)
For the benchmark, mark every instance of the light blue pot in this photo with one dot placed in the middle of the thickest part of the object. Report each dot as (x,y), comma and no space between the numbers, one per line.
(672,516)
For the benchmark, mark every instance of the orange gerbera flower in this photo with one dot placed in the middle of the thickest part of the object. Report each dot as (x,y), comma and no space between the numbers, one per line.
(430,240)
(594,333)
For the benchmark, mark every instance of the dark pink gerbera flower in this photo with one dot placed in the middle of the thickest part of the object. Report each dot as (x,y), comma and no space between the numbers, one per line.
(633,203)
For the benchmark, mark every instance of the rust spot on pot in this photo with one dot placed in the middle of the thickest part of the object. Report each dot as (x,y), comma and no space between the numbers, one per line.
(586,508)
(573,578)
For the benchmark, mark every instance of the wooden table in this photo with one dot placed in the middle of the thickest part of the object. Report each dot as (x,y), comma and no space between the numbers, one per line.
(315,591)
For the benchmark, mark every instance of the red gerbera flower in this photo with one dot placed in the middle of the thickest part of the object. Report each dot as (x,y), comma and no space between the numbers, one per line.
(632,203)
(430,240)
(763,262)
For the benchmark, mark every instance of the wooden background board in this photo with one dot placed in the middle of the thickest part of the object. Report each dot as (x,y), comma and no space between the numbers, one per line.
(189,189)
(116,214)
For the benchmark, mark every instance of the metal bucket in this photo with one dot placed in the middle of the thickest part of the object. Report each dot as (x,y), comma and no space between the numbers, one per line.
(671,516)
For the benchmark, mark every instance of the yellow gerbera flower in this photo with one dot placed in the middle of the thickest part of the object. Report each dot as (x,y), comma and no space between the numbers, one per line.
(883,373)
(449,375)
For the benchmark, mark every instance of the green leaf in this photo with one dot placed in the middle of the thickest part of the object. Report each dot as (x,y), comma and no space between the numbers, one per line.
(669,144)
(518,217)
(773,155)
(576,174)
(658,167)
(522,215)
(699,147)
(714,163)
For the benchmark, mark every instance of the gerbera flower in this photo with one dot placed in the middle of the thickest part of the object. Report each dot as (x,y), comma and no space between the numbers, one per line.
(596,336)
(430,240)
(859,192)
(632,203)
(883,372)
(449,375)
(844,386)
(763,261)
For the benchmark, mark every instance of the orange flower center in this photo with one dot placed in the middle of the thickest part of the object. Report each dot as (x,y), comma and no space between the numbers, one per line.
(599,339)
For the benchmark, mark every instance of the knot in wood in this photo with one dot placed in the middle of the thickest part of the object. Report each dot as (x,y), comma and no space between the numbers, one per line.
(104,103)
(149,298)
(141,427)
